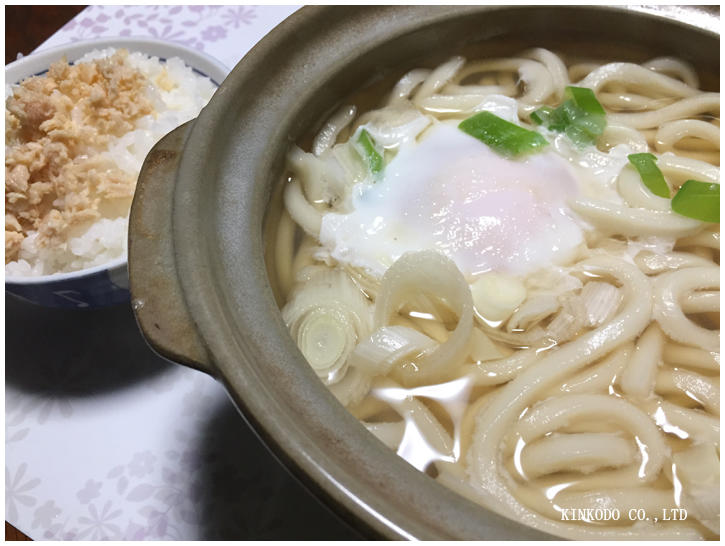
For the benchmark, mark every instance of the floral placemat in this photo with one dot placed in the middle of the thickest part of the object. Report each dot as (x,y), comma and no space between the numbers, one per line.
(224,32)
(105,440)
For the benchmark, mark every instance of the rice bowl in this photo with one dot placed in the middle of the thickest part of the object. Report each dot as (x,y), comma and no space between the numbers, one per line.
(176,83)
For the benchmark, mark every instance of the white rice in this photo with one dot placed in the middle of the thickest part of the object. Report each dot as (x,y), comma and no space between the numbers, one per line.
(106,239)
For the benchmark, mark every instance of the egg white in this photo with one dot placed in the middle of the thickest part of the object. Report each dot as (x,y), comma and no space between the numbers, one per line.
(448,191)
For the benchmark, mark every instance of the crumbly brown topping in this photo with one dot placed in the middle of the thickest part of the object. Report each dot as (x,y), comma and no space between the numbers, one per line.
(56,127)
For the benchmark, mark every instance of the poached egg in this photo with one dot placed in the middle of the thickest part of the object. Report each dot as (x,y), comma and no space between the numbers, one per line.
(450,192)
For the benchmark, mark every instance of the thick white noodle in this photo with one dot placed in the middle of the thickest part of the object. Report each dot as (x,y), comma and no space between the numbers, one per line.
(621,220)
(636,77)
(705,103)
(621,134)
(500,371)
(403,89)
(680,355)
(707,238)
(701,302)
(601,388)
(685,423)
(670,133)
(652,263)
(306,216)
(587,452)
(674,67)
(638,378)
(599,376)
(328,134)
(702,389)
(636,194)
(555,66)
(555,413)
(494,421)
(669,289)
(438,78)
(418,418)
(539,83)
(685,168)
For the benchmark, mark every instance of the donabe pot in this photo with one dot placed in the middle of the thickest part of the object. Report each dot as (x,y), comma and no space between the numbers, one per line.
(196,251)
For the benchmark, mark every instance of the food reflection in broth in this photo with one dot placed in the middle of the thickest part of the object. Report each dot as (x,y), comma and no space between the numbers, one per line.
(511,302)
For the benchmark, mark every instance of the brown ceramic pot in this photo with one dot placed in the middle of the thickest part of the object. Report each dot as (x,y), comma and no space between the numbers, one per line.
(198,279)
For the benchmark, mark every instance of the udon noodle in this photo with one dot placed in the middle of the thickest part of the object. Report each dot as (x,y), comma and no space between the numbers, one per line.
(560,397)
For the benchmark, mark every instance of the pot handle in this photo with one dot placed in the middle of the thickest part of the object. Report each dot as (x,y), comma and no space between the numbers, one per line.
(156,294)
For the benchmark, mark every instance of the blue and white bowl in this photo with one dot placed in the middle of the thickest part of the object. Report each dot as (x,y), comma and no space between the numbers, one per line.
(106,284)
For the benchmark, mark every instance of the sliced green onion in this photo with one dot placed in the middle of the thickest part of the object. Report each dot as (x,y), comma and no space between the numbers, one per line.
(580,116)
(586,130)
(585,99)
(504,137)
(698,200)
(542,115)
(566,114)
(372,157)
(650,173)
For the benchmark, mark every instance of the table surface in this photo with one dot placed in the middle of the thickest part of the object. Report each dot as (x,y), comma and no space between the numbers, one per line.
(26,27)
(83,458)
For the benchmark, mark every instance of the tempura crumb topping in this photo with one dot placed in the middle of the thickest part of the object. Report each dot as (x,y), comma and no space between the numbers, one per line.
(57,127)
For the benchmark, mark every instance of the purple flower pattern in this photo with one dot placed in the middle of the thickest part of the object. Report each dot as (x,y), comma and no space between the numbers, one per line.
(18,491)
(149,497)
(99,524)
(192,26)
(239,15)
(91,491)
(213,33)
(45,515)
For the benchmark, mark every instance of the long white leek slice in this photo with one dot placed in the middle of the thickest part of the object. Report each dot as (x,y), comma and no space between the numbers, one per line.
(388,345)
(432,273)
(327,315)
(532,311)
(601,300)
